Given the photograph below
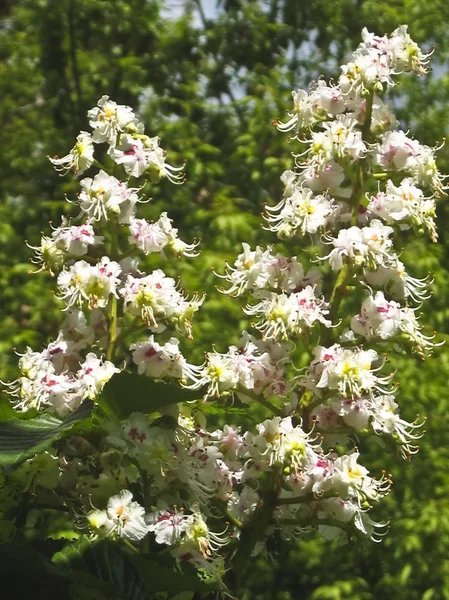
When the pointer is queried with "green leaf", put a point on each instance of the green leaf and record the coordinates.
(160, 578)
(106, 562)
(31, 575)
(21, 439)
(72, 555)
(126, 393)
(25, 569)
(132, 576)
(185, 595)
(6, 411)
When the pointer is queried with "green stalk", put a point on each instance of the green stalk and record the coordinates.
(112, 304)
(263, 401)
(134, 326)
(254, 531)
(98, 164)
(112, 329)
(233, 520)
(315, 523)
(306, 498)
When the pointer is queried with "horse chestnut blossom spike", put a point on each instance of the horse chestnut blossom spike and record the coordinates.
(312, 367)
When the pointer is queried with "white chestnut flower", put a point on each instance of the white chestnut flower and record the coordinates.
(80, 157)
(282, 315)
(398, 152)
(140, 153)
(126, 518)
(168, 526)
(302, 212)
(92, 283)
(384, 319)
(94, 373)
(407, 55)
(368, 246)
(166, 360)
(105, 196)
(108, 119)
(350, 479)
(159, 237)
(157, 300)
(351, 372)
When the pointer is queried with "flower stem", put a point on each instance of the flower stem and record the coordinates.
(112, 329)
(98, 164)
(306, 498)
(255, 530)
(233, 520)
(263, 401)
(112, 305)
(130, 546)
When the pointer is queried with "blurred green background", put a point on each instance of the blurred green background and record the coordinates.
(208, 78)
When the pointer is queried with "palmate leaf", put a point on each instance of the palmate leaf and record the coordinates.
(126, 393)
(105, 563)
(21, 439)
(6, 410)
(32, 575)
(132, 576)
(160, 577)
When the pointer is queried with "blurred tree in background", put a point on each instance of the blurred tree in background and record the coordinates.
(208, 79)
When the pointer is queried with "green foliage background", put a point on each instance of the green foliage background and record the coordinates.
(209, 79)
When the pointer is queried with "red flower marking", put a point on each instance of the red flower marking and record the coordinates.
(150, 352)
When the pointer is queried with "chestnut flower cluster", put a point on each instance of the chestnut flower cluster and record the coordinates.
(166, 480)
(97, 288)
